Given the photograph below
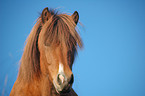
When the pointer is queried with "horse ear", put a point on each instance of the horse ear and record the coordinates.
(45, 15)
(75, 16)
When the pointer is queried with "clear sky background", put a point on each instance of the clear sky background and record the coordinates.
(112, 62)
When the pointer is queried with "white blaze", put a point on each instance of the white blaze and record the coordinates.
(61, 69)
(61, 72)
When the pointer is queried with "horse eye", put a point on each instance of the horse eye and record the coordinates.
(69, 57)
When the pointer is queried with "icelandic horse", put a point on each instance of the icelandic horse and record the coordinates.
(46, 63)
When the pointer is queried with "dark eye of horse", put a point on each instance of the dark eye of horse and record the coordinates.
(69, 57)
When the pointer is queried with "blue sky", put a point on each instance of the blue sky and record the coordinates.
(112, 62)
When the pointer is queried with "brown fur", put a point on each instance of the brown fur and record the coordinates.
(52, 39)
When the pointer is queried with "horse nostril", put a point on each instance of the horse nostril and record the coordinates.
(60, 79)
(71, 79)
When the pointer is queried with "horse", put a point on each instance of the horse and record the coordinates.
(49, 53)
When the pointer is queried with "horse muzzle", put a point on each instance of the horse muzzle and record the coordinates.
(63, 84)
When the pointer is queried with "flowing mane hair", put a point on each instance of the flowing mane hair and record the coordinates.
(58, 29)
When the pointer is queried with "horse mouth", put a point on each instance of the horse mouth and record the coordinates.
(62, 89)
